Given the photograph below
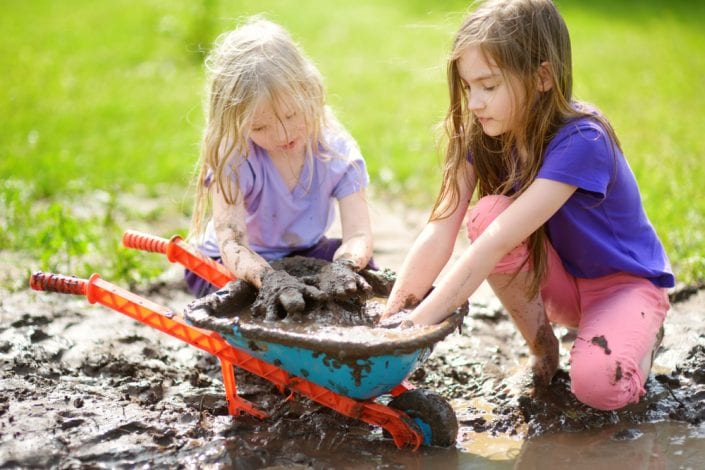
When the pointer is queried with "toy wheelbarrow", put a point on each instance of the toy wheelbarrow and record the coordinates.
(346, 369)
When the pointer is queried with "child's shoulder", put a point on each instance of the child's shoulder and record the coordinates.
(583, 135)
(235, 160)
(337, 142)
(589, 127)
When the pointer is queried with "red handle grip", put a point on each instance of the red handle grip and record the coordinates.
(144, 241)
(179, 251)
(58, 283)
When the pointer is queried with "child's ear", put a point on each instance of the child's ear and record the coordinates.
(544, 77)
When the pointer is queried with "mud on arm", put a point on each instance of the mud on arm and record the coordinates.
(428, 255)
(431, 250)
(230, 228)
(356, 249)
(523, 216)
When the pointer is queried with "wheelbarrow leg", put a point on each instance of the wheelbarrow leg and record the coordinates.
(236, 404)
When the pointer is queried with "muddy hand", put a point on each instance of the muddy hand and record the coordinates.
(397, 320)
(225, 302)
(283, 295)
(381, 282)
(338, 280)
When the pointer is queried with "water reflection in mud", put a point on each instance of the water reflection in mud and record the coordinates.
(661, 445)
(645, 446)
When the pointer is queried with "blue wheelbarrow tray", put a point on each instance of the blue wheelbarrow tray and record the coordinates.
(360, 362)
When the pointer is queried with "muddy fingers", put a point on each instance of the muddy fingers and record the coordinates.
(338, 280)
(292, 300)
(282, 295)
(226, 302)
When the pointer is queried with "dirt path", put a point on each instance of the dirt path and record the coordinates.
(83, 385)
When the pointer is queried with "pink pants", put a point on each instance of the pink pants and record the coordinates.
(617, 317)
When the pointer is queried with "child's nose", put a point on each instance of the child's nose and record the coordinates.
(475, 102)
(282, 134)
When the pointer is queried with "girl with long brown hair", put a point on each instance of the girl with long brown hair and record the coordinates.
(559, 230)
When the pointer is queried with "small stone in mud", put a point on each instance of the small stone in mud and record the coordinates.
(459, 376)
(419, 374)
(38, 335)
(478, 424)
(72, 423)
(199, 380)
(300, 458)
(668, 380)
(165, 438)
(694, 364)
(627, 435)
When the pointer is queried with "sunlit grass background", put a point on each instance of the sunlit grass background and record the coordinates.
(100, 105)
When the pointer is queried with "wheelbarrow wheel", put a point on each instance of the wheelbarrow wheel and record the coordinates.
(432, 413)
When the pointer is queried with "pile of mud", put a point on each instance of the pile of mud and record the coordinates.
(344, 328)
(85, 386)
(239, 299)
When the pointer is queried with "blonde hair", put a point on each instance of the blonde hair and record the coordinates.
(520, 36)
(256, 61)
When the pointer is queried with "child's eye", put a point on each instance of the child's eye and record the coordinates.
(290, 116)
(490, 88)
(258, 129)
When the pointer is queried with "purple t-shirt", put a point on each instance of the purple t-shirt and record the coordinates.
(602, 228)
(280, 221)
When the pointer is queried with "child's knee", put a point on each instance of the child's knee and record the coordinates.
(480, 217)
(197, 285)
(604, 382)
(484, 212)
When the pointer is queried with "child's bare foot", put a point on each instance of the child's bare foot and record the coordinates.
(537, 377)
(648, 361)
(519, 384)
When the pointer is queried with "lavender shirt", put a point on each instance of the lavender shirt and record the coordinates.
(280, 221)
(602, 228)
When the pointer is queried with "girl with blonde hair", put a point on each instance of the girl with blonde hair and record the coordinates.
(559, 230)
(274, 160)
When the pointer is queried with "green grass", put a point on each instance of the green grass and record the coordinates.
(103, 99)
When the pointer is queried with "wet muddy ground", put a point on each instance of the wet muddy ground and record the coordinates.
(84, 386)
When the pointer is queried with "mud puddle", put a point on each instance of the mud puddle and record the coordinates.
(82, 385)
